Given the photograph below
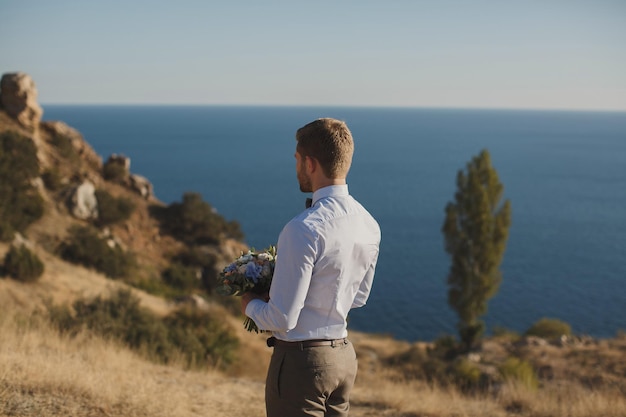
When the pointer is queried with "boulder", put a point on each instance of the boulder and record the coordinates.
(141, 185)
(83, 202)
(18, 98)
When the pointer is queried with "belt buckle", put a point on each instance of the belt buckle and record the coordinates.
(338, 342)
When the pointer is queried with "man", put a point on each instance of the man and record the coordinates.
(325, 266)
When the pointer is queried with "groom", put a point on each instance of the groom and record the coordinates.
(325, 266)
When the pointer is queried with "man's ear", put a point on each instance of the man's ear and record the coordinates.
(311, 164)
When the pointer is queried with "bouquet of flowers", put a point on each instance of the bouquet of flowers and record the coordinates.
(252, 272)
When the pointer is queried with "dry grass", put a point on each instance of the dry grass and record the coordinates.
(586, 380)
(63, 282)
(569, 399)
(416, 398)
(45, 374)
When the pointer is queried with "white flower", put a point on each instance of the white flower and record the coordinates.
(264, 256)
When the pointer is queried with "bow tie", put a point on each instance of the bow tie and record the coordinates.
(309, 202)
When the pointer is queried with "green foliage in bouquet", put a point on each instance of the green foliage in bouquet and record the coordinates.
(251, 272)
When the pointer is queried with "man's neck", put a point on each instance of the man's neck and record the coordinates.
(326, 182)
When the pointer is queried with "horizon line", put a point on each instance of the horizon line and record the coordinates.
(343, 106)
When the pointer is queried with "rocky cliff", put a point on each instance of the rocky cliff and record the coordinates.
(18, 98)
(78, 190)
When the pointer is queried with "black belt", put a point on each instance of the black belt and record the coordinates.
(272, 341)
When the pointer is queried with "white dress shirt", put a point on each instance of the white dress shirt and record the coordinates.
(326, 257)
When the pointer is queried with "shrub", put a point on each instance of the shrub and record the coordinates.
(20, 203)
(61, 317)
(19, 207)
(410, 362)
(181, 277)
(445, 347)
(18, 157)
(195, 221)
(112, 210)
(114, 172)
(119, 317)
(189, 333)
(521, 371)
(156, 287)
(549, 328)
(85, 247)
(64, 146)
(202, 260)
(202, 339)
(465, 374)
(52, 179)
(22, 264)
(504, 333)
(435, 370)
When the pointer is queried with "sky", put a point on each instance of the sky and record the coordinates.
(559, 54)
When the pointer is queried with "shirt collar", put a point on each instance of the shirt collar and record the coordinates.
(331, 191)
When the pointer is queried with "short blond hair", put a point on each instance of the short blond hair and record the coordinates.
(330, 142)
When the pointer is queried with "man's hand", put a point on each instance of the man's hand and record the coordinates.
(249, 296)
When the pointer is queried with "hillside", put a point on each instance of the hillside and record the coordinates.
(54, 362)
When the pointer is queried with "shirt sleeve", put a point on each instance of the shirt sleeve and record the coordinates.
(366, 285)
(296, 255)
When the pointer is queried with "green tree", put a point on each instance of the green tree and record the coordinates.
(476, 230)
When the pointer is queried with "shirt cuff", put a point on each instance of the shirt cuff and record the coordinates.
(253, 306)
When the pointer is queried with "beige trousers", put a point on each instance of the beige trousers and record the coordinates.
(314, 381)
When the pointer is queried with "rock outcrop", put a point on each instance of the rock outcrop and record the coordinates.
(82, 148)
(83, 202)
(141, 185)
(117, 168)
(18, 98)
(121, 161)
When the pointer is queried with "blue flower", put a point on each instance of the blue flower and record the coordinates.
(253, 271)
(231, 268)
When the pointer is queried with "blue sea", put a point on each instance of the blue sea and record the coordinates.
(564, 173)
